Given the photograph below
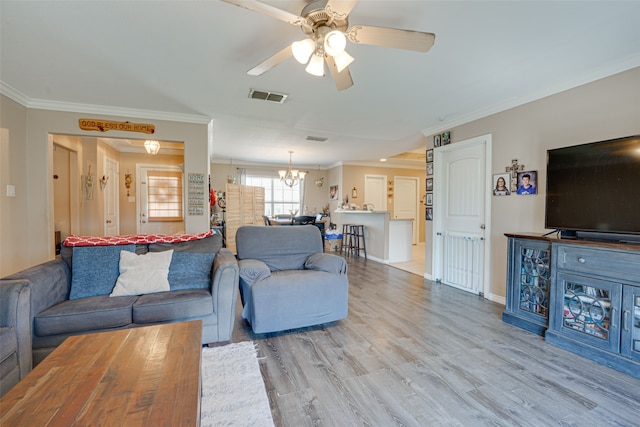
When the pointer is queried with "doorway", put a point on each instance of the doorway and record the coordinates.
(375, 191)
(405, 202)
(461, 211)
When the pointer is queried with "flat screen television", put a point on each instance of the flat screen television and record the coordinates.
(593, 190)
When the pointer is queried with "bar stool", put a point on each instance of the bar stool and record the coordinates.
(345, 244)
(357, 237)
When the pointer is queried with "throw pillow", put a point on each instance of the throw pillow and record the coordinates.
(143, 274)
(95, 269)
(190, 270)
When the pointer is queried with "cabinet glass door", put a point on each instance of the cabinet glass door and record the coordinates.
(631, 323)
(590, 307)
(534, 281)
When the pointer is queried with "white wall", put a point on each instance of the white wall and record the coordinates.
(605, 109)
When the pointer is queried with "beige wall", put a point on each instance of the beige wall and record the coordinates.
(13, 171)
(605, 109)
(29, 221)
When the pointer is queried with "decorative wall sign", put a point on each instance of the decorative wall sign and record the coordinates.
(513, 170)
(196, 194)
(107, 125)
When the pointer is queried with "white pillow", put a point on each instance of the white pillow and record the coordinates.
(142, 274)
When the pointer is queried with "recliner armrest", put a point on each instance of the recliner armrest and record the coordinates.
(326, 262)
(252, 270)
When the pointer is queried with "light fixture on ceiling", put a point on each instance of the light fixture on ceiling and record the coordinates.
(311, 52)
(292, 176)
(152, 147)
(316, 65)
(303, 49)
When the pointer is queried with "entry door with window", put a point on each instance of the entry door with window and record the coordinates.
(160, 201)
(459, 214)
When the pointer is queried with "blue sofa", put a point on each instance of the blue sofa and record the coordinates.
(286, 281)
(15, 333)
(70, 295)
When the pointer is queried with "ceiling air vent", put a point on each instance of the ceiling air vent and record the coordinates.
(268, 96)
(316, 138)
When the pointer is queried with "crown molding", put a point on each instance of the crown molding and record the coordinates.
(71, 107)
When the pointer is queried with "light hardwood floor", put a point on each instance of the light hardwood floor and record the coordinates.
(416, 353)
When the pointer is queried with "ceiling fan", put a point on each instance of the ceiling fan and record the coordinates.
(326, 25)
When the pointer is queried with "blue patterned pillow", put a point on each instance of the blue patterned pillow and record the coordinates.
(95, 269)
(190, 270)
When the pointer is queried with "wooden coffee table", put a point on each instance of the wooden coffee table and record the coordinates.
(147, 376)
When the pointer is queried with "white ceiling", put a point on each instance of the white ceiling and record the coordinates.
(187, 60)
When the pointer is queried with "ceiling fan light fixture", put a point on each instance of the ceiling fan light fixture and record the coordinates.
(335, 43)
(303, 49)
(316, 65)
(343, 60)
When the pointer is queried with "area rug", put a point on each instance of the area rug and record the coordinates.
(233, 392)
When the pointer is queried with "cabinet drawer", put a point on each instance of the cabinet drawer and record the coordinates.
(613, 264)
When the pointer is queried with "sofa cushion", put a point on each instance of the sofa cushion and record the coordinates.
(95, 269)
(281, 248)
(143, 274)
(190, 270)
(99, 312)
(175, 305)
(8, 342)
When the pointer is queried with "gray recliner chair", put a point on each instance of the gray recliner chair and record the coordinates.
(15, 333)
(286, 281)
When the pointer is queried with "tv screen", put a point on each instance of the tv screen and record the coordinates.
(595, 187)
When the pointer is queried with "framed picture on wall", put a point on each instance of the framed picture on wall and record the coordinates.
(429, 199)
(446, 138)
(333, 192)
(430, 155)
(429, 184)
(428, 213)
(527, 183)
(430, 169)
(501, 184)
(436, 141)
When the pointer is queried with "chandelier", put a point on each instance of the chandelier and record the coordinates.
(292, 176)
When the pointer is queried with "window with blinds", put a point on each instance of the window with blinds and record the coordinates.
(164, 197)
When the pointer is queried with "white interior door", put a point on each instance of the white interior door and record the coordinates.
(375, 191)
(461, 206)
(405, 205)
(111, 193)
(144, 225)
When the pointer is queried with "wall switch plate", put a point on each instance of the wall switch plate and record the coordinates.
(11, 191)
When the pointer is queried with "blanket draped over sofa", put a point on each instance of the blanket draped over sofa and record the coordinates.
(71, 295)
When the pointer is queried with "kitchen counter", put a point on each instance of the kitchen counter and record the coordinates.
(387, 239)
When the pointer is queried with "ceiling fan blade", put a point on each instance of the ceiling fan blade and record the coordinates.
(341, 79)
(391, 37)
(269, 10)
(339, 9)
(271, 62)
